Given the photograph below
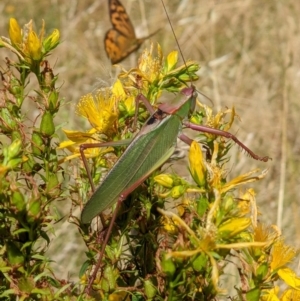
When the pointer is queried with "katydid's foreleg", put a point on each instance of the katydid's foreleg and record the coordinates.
(146, 103)
(206, 129)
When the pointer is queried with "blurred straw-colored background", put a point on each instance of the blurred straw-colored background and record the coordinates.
(249, 51)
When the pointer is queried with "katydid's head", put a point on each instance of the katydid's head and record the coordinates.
(191, 93)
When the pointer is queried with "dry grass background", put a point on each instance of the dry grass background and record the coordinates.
(249, 51)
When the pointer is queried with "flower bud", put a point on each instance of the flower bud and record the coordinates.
(52, 40)
(177, 191)
(164, 180)
(233, 227)
(34, 46)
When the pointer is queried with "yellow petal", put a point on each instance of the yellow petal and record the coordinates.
(233, 227)
(270, 295)
(77, 136)
(52, 40)
(119, 296)
(243, 179)
(15, 33)
(118, 89)
(290, 294)
(197, 167)
(289, 277)
(34, 46)
(171, 61)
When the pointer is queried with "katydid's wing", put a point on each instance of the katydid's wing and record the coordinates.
(153, 146)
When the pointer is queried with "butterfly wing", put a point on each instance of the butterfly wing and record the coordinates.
(120, 19)
(118, 47)
(120, 40)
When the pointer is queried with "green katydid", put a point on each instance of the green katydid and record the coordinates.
(150, 149)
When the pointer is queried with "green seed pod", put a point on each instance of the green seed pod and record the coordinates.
(16, 135)
(37, 143)
(52, 184)
(168, 266)
(15, 87)
(14, 150)
(262, 271)
(200, 262)
(33, 211)
(47, 127)
(108, 281)
(30, 165)
(12, 164)
(17, 200)
(150, 289)
(53, 101)
(14, 255)
(9, 123)
(253, 295)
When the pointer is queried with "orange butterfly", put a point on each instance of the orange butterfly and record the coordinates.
(120, 40)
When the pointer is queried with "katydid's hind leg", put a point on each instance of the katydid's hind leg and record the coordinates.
(107, 236)
(122, 197)
(206, 129)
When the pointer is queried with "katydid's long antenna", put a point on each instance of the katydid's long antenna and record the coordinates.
(177, 42)
(172, 28)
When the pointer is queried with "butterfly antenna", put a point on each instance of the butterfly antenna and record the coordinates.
(172, 28)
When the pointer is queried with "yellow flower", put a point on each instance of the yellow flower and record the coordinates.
(150, 66)
(263, 233)
(15, 33)
(281, 255)
(197, 166)
(76, 139)
(27, 44)
(100, 110)
(169, 225)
